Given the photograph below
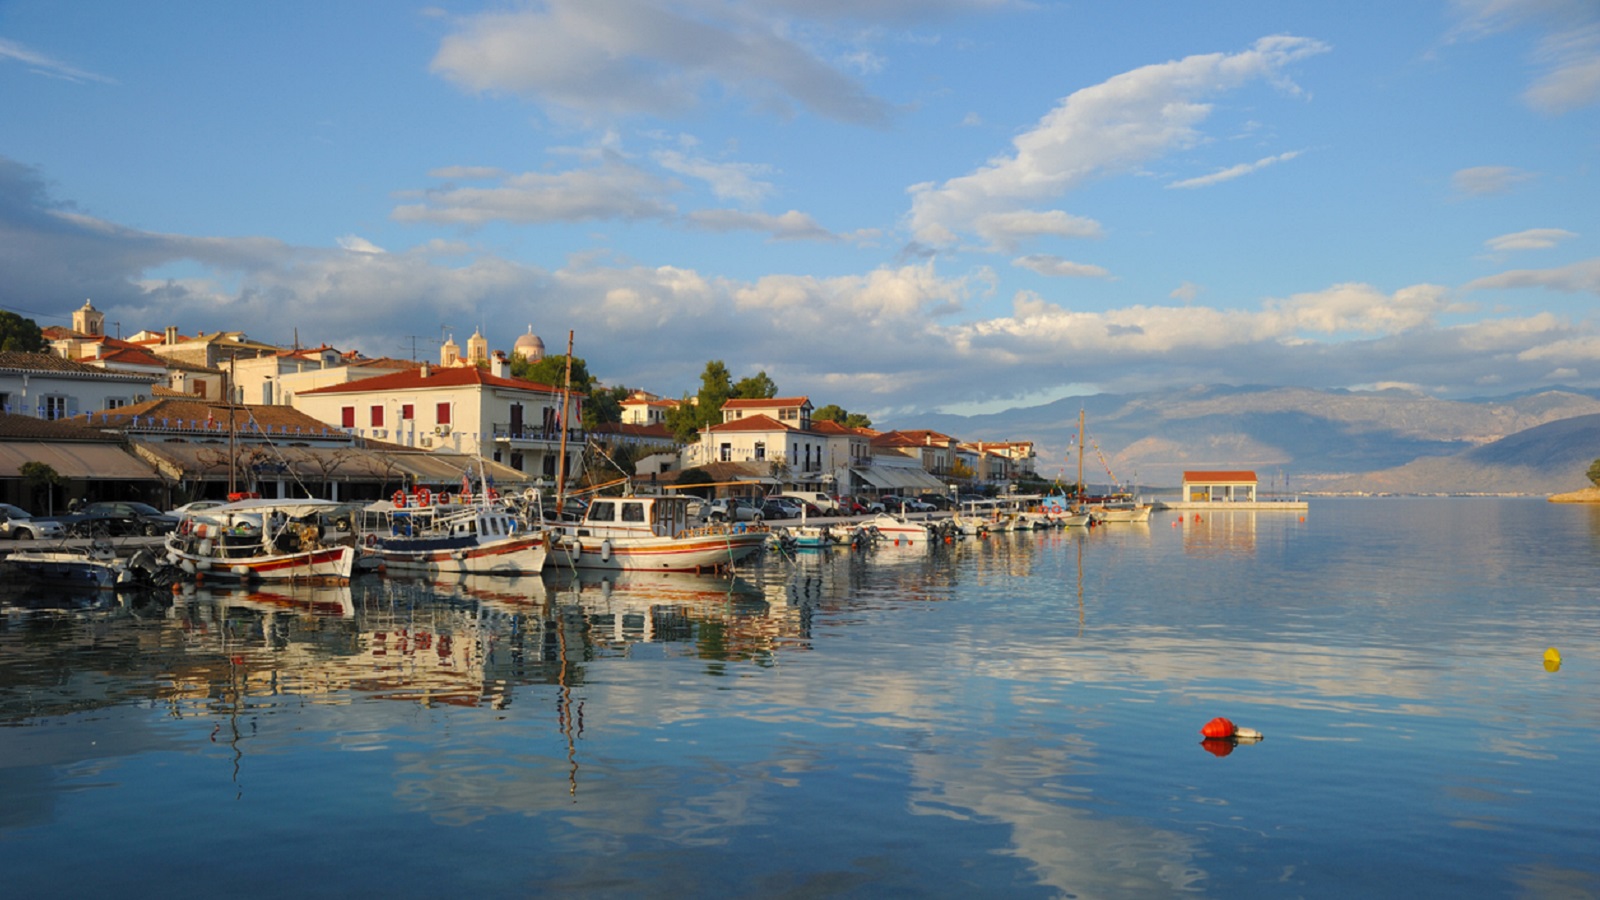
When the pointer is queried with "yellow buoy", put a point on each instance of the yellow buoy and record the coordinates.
(1552, 659)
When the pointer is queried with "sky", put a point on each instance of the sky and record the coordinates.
(895, 206)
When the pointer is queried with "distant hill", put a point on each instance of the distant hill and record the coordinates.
(1310, 440)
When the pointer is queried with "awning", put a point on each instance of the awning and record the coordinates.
(100, 462)
(184, 460)
(900, 478)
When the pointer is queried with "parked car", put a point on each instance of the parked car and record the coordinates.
(778, 508)
(938, 501)
(819, 504)
(196, 506)
(917, 504)
(117, 517)
(18, 524)
(849, 506)
(734, 509)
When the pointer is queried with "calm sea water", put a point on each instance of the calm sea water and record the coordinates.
(1014, 716)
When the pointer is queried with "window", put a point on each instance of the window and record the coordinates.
(55, 407)
(602, 511)
(407, 412)
(726, 454)
(347, 417)
(787, 415)
(516, 460)
(116, 402)
(377, 417)
(761, 450)
(633, 512)
(441, 414)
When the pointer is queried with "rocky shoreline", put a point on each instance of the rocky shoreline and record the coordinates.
(1587, 495)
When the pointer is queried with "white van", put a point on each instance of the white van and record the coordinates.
(815, 498)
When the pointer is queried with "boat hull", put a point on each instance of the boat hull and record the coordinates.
(620, 553)
(332, 562)
(517, 555)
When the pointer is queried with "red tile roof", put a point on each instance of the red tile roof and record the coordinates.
(1214, 476)
(445, 377)
(760, 403)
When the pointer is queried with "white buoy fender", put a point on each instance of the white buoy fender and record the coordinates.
(605, 551)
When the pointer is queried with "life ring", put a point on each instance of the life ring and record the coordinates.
(399, 499)
(372, 540)
(494, 494)
(605, 551)
(185, 526)
(466, 497)
(424, 497)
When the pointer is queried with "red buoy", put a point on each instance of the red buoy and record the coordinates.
(1218, 728)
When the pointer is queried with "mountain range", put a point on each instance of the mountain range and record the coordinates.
(1311, 441)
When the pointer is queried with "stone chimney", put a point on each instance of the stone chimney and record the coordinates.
(172, 335)
(499, 366)
(424, 371)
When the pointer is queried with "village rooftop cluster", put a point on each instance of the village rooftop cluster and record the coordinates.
(167, 417)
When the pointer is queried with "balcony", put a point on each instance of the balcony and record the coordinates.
(504, 432)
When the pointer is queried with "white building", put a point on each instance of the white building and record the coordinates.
(45, 386)
(460, 408)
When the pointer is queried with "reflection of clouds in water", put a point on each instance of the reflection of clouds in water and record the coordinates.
(1075, 851)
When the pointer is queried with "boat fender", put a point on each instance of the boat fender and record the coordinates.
(1247, 735)
(241, 571)
(205, 547)
(188, 567)
(739, 528)
(605, 551)
(576, 553)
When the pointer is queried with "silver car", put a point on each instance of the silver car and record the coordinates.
(18, 524)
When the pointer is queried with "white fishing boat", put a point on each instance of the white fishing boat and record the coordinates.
(269, 540)
(414, 533)
(899, 529)
(1119, 511)
(93, 566)
(649, 532)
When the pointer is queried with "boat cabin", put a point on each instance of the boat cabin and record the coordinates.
(658, 516)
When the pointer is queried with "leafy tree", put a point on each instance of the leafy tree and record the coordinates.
(756, 387)
(41, 476)
(696, 476)
(552, 370)
(1594, 473)
(835, 413)
(18, 333)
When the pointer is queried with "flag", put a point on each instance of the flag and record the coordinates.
(466, 481)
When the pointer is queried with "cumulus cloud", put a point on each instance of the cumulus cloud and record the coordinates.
(357, 244)
(1481, 181)
(1532, 239)
(1233, 172)
(1105, 129)
(1056, 267)
(611, 57)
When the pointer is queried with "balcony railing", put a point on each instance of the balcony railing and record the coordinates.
(504, 431)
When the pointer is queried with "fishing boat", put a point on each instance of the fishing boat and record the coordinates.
(270, 540)
(93, 566)
(419, 532)
(649, 532)
(899, 529)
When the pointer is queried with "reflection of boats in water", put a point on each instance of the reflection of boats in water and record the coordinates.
(627, 607)
(331, 600)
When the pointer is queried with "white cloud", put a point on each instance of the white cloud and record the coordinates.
(1109, 128)
(790, 226)
(1056, 267)
(1485, 180)
(1005, 230)
(1532, 239)
(1567, 55)
(357, 244)
(1233, 172)
(1185, 292)
(728, 181)
(1578, 278)
(628, 57)
(44, 65)
(614, 189)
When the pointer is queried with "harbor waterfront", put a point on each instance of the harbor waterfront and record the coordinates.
(1011, 715)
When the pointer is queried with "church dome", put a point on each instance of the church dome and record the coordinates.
(529, 347)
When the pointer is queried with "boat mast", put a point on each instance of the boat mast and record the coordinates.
(561, 463)
(1080, 455)
(233, 452)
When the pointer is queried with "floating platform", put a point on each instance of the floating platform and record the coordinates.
(1286, 505)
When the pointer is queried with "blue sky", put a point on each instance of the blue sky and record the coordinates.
(892, 205)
